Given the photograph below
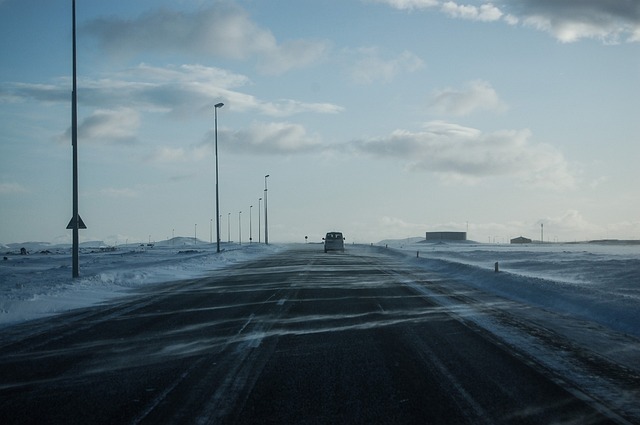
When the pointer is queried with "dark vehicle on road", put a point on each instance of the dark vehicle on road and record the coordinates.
(333, 241)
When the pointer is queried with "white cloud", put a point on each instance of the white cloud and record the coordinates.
(485, 13)
(477, 95)
(511, 19)
(179, 91)
(107, 126)
(288, 107)
(567, 20)
(185, 73)
(570, 221)
(409, 4)
(259, 138)
(276, 138)
(573, 20)
(463, 154)
(222, 30)
(371, 67)
(16, 92)
(571, 30)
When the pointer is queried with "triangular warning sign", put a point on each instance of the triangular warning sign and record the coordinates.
(81, 224)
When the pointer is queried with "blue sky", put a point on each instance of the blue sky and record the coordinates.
(379, 118)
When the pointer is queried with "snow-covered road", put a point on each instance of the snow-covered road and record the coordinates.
(301, 335)
(572, 307)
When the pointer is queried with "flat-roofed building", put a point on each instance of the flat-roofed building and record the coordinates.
(446, 236)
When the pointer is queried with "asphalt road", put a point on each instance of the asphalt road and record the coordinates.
(297, 337)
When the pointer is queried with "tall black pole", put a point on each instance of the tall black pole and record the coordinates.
(74, 142)
(259, 213)
(215, 114)
(266, 223)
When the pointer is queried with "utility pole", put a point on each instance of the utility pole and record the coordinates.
(259, 213)
(215, 114)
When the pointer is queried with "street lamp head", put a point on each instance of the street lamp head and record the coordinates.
(266, 176)
(218, 105)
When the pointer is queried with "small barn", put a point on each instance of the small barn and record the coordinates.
(520, 239)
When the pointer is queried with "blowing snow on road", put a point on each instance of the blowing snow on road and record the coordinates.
(293, 335)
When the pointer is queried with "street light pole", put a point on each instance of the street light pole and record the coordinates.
(250, 229)
(259, 213)
(266, 225)
(215, 114)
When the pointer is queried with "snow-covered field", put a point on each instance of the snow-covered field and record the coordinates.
(40, 283)
(599, 282)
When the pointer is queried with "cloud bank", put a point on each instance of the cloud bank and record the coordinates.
(572, 20)
(273, 138)
(610, 21)
(179, 91)
(467, 155)
(222, 30)
(105, 126)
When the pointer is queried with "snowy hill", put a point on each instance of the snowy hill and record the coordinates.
(401, 242)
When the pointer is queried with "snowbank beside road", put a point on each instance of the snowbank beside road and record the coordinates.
(40, 284)
(595, 282)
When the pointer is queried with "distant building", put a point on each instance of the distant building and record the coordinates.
(446, 236)
(520, 239)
